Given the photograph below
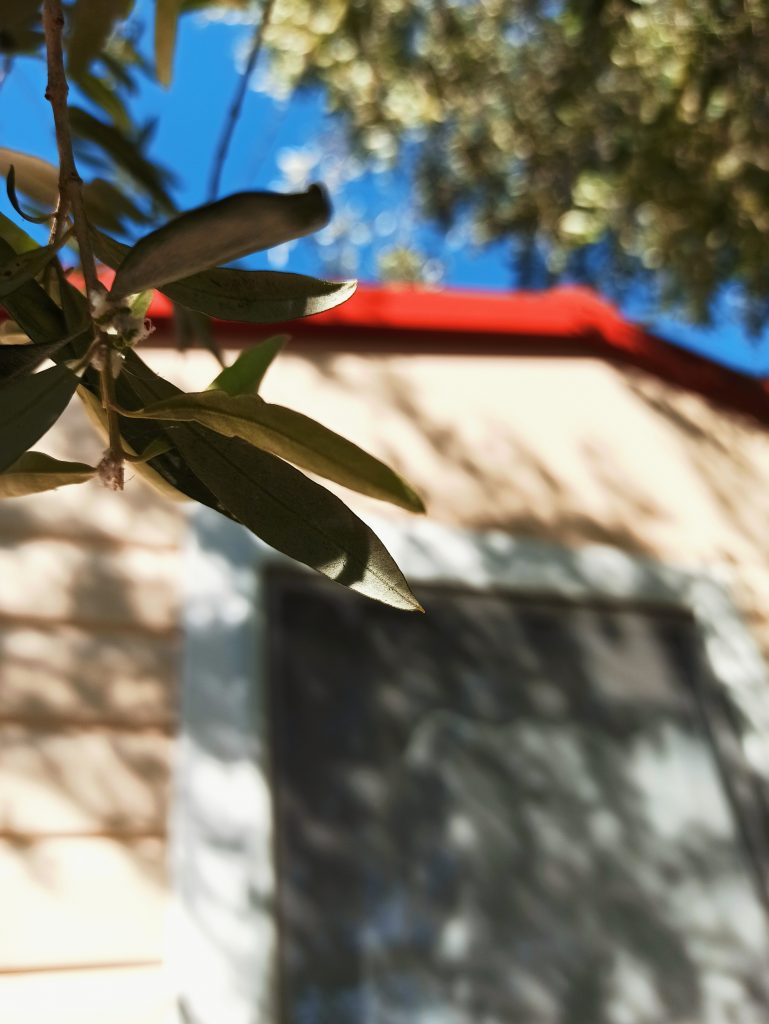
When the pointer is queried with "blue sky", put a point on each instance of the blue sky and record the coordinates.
(283, 144)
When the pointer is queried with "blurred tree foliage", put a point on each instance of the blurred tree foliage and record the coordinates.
(604, 138)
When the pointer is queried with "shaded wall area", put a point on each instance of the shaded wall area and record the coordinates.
(574, 452)
(507, 809)
(88, 663)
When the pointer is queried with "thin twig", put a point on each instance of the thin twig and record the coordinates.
(71, 199)
(237, 101)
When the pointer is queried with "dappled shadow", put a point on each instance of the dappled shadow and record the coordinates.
(88, 663)
(504, 810)
(477, 467)
(728, 454)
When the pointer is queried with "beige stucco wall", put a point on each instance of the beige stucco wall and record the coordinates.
(572, 451)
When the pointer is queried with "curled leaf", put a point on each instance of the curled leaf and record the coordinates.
(36, 178)
(217, 233)
(10, 188)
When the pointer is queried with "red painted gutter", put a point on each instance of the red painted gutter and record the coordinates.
(568, 321)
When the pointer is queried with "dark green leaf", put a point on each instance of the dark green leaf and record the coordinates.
(74, 306)
(109, 207)
(219, 232)
(92, 22)
(104, 95)
(258, 296)
(32, 309)
(166, 18)
(124, 151)
(21, 360)
(29, 407)
(194, 329)
(293, 437)
(246, 374)
(295, 515)
(41, 319)
(138, 385)
(35, 472)
(22, 268)
(250, 296)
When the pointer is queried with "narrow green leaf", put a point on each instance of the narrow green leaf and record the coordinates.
(194, 329)
(74, 306)
(104, 95)
(32, 308)
(29, 407)
(249, 296)
(258, 296)
(291, 436)
(16, 237)
(22, 268)
(35, 472)
(160, 446)
(36, 178)
(43, 322)
(20, 360)
(138, 385)
(246, 374)
(126, 153)
(92, 22)
(166, 18)
(295, 515)
(109, 206)
(219, 232)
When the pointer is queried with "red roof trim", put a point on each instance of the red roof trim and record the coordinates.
(567, 321)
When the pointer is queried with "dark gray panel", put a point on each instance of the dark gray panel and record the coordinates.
(506, 810)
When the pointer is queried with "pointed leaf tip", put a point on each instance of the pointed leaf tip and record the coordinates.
(35, 472)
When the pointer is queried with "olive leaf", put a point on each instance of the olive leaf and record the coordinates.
(35, 472)
(246, 374)
(290, 435)
(16, 237)
(166, 18)
(219, 232)
(29, 407)
(36, 178)
(249, 296)
(125, 151)
(21, 360)
(92, 22)
(295, 515)
(22, 268)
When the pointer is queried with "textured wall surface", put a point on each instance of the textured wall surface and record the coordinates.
(570, 451)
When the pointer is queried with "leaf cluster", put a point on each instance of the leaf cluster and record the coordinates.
(225, 447)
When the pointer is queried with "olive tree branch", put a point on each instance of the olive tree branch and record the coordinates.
(71, 199)
(237, 100)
